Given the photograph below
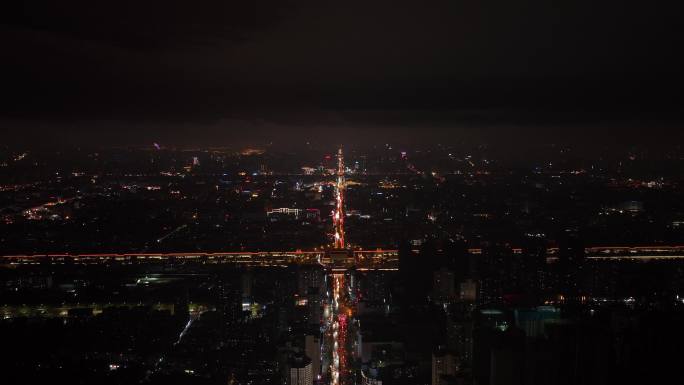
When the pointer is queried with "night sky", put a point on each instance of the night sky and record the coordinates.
(227, 71)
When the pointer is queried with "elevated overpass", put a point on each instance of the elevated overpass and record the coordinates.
(330, 258)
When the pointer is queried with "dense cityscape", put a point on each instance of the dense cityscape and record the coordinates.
(306, 192)
(383, 265)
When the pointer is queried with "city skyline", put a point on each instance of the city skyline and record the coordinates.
(344, 246)
(393, 192)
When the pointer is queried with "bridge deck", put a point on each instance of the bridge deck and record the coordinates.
(379, 258)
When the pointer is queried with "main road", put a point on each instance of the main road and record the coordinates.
(338, 213)
(342, 309)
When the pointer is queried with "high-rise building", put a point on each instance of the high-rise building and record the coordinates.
(533, 321)
(314, 305)
(301, 372)
(312, 348)
(468, 291)
(459, 333)
(370, 377)
(443, 364)
(443, 286)
(308, 277)
(229, 300)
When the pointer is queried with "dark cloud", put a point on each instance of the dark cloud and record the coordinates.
(145, 25)
(177, 61)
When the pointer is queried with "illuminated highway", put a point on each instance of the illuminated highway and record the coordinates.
(339, 214)
(341, 370)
